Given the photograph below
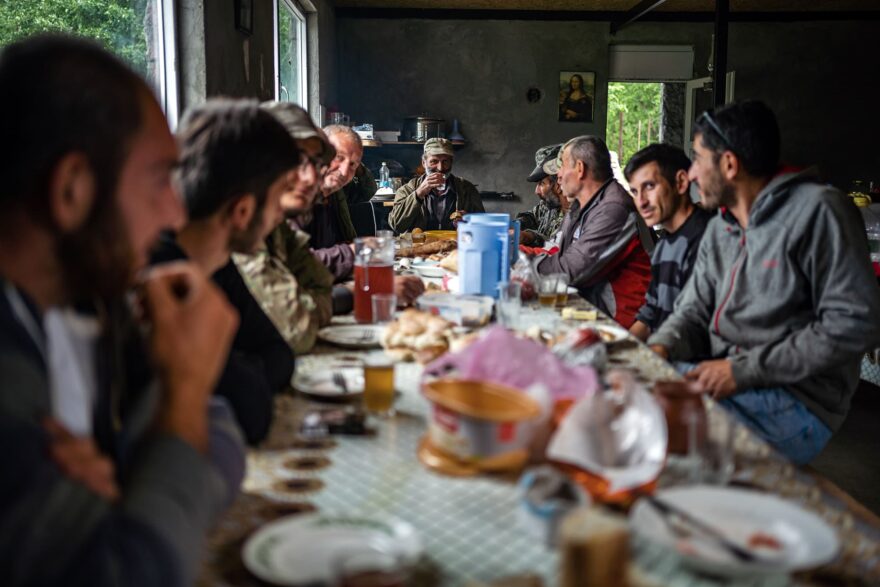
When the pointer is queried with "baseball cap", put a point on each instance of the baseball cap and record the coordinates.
(542, 156)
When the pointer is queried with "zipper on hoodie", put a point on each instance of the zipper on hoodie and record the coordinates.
(733, 272)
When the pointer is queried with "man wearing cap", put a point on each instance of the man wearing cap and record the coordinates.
(429, 201)
(292, 285)
(542, 222)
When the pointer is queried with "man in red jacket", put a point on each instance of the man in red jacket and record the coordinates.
(604, 243)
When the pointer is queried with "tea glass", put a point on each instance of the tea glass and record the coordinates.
(547, 290)
(379, 385)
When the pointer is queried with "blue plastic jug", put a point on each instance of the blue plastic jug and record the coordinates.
(513, 245)
(482, 256)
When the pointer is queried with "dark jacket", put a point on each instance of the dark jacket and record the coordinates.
(410, 211)
(55, 531)
(791, 300)
(260, 363)
(604, 251)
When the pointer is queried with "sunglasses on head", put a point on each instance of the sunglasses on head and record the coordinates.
(708, 119)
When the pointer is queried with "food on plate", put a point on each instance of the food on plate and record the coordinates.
(428, 249)
(573, 314)
(418, 235)
(417, 335)
(763, 540)
(450, 262)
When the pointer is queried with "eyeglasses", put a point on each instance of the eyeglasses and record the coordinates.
(708, 119)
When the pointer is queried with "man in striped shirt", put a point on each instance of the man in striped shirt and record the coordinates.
(658, 177)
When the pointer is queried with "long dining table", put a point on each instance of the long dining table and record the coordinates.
(469, 526)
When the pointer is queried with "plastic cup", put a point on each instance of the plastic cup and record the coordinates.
(384, 306)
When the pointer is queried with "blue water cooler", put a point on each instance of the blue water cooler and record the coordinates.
(483, 254)
(513, 246)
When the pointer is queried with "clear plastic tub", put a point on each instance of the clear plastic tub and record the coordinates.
(464, 310)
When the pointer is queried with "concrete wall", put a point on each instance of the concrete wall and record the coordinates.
(322, 55)
(816, 78)
(479, 70)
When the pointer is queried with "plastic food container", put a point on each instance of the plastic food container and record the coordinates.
(480, 422)
(464, 310)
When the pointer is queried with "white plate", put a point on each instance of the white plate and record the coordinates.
(610, 333)
(429, 271)
(301, 550)
(320, 383)
(806, 541)
(353, 336)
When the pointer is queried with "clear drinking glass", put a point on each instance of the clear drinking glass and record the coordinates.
(369, 566)
(384, 306)
(379, 385)
(547, 290)
(384, 234)
(562, 281)
(441, 189)
(509, 303)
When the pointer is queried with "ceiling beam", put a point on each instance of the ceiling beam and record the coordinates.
(635, 13)
(600, 16)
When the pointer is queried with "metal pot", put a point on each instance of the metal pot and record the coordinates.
(421, 128)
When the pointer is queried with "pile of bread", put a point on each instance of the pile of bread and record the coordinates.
(417, 335)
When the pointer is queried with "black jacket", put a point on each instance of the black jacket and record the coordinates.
(260, 363)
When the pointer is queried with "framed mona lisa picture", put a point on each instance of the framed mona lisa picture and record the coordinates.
(577, 90)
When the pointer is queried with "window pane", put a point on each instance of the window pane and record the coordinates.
(126, 27)
(289, 29)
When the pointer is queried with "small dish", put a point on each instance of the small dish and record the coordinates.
(353, 336)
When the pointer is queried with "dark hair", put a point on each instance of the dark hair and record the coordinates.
(669, 158)
(230, 148)
(61, 94)
(749, 129)
(594, 153)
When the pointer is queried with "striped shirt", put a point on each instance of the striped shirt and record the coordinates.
(671, 265)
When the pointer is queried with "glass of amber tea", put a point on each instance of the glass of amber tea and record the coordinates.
(379, 385)
(547, 290)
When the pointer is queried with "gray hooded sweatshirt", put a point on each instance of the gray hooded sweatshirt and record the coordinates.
(792, 300)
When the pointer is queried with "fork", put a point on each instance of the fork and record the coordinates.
(339, 381)
(673, 517)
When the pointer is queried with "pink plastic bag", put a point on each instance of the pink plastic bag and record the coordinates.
(501, 357)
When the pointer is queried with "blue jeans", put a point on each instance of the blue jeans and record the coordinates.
(779, 418)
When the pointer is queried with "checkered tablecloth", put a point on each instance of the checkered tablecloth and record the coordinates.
(469, 525)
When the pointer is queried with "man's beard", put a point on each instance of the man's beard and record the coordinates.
(718, 193)
(247, 240)
(97, 260)
(552, 201)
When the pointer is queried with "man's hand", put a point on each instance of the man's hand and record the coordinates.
(81, 461)
(434, 180)
(407, 288)
(193, 325)
(660, 350)
(714, 378)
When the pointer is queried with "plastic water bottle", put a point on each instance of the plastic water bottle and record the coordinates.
(384, 176)
(872, 226)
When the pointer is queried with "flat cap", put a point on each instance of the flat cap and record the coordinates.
(438, 147)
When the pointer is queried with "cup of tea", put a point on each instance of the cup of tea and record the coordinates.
(370, 566)
(379, 385)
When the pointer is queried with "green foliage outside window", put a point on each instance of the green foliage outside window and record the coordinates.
(639, 102)
(119, 25)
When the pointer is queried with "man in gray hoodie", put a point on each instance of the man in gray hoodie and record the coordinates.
(782, 302)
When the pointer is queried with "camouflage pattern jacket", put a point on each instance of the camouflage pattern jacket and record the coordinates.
(291, 285)
(542, 222)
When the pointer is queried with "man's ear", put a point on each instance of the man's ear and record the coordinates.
(682, 183)
(729, 165)
(241, 211)
(71, 192)
(581, 169)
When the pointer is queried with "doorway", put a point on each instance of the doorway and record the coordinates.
(634, 117)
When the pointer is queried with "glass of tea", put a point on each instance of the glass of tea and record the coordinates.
(384, 306)
(370, 566)
(373, 273)
(562, 281)
(379, 385)
(547, 290)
